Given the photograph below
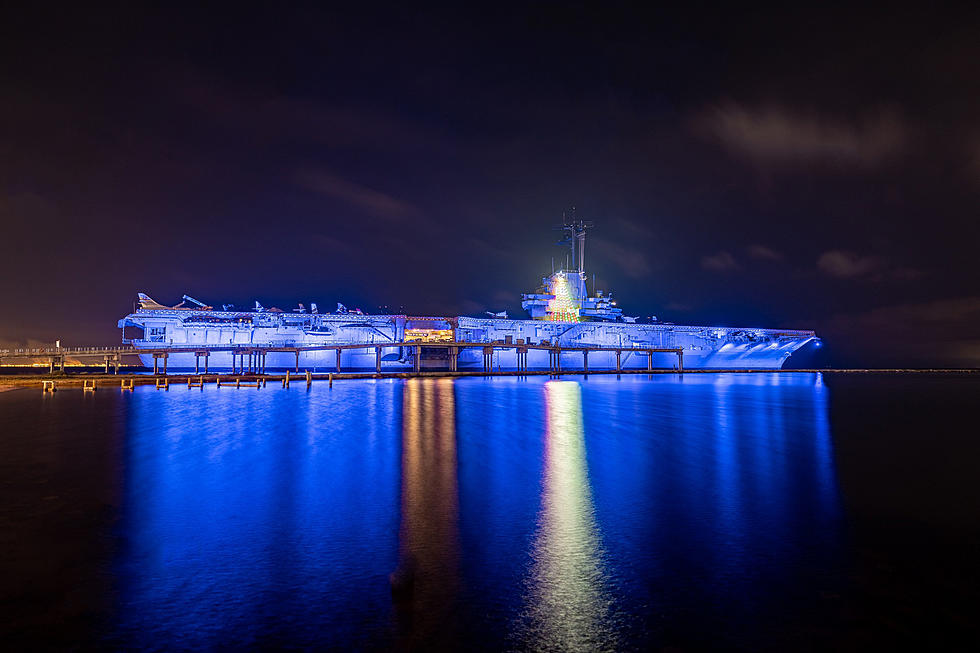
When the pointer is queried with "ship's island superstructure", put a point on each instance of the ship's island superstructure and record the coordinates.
(561, 310)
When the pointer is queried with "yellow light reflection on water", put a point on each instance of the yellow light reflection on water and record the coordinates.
(426, 581)
(568, 605)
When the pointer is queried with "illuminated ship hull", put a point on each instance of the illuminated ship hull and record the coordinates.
(184, 332)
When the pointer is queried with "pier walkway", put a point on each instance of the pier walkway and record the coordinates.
(252, 358)
(55, 357)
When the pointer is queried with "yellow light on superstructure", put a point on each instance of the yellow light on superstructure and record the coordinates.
(563, 308)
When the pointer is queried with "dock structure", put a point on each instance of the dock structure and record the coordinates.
(251, 359)
(57, 357)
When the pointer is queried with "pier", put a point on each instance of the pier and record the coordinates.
(250, 359)
(56, 357)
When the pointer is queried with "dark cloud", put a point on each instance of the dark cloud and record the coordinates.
(934, 333)
(775, 136)
(720, 262)
(630, 261)
(843, 264)
(846, 265)
(372, 202)
(763, 253)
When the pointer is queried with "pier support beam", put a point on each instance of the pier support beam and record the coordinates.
(156, 362)
(207, 355)
(377, 360)
(297, 360)
(338, 359)
(417, 355)
(619, 364)
(680, 361)
(649, 361)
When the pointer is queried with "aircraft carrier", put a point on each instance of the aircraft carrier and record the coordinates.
(561, 312)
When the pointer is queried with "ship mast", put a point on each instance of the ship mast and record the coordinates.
(575, 238)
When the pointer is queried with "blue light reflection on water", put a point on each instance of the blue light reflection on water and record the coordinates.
(595, 512)
(260, 515)
(716, 497)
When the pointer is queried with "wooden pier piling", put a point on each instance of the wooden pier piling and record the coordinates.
(197, 361)
(255, 383)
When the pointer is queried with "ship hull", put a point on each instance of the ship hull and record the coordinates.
(176, 332)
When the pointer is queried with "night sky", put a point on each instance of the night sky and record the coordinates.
(788, 168)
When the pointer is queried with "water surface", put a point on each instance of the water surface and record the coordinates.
(714, 510)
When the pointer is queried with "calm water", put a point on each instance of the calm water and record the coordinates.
(739, 511)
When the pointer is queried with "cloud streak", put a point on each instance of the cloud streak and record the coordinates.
(777, 136)
(369, 200)
(763, 253)
(843, 264)
(720, 262)
(631, 261)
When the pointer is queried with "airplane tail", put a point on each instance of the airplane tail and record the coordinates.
(147, 303)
